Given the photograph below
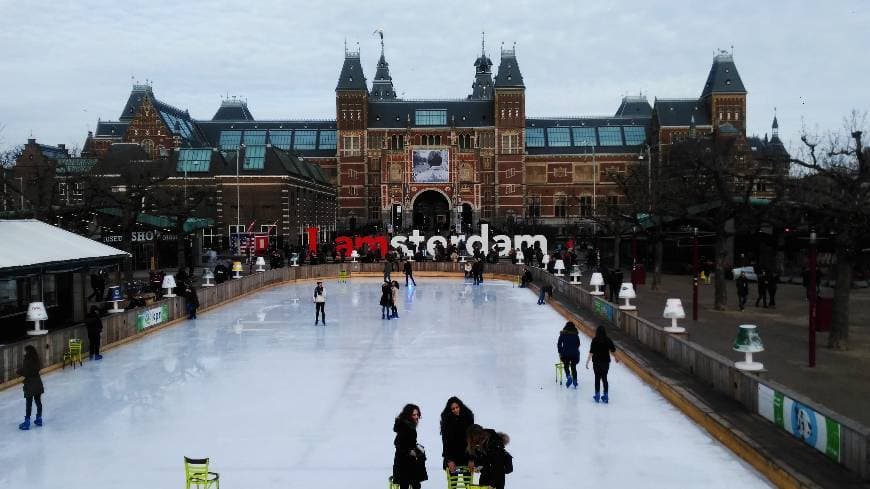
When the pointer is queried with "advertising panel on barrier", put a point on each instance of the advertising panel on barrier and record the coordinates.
(801, 421)
(431, 166)
(603, 309)
(152, 317)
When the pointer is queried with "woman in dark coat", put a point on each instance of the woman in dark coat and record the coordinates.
(386, 300)
(33, 388)
(455, 421)
(599, 352)
(568, 346)
(409, 463)
(486, 448)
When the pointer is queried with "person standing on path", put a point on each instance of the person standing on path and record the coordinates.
(456, 418)
(409, 462)
(191, 300)
(319, 303)
(742, 290)
(409, 273)
(763, 283)
(33, 388)
(568, 346)
(599, 352)
(95, 328)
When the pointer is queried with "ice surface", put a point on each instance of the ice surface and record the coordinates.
(279, 403)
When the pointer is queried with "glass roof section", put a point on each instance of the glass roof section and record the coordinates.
(194, 160)
(584, 136)
(327, 140)
(255, 137)
(535, 137)
(281, 138)
(230, 140)
(634, 135)
(305, 139)
(255, 157)
(558, 136)
(610, 136)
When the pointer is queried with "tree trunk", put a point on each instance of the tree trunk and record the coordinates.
(838, 339)
(617, 243)
(719, 284)
(658, 253)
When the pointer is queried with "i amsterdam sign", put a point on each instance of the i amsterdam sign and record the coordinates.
(502, 243)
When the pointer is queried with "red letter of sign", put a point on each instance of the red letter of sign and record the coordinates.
(312, 239)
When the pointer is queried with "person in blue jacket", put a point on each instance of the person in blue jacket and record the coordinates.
(568, 346)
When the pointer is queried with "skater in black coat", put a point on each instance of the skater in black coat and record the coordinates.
(455, 421)
(409, 463)
(568, 346)
(486, 448)
(33, 388)
(95, 328)
(599, 352)
(409, 273)
(386, 300)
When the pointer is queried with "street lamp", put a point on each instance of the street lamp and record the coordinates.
(695, 274)
(811, 295)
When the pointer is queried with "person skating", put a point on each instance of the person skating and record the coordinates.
(568, 346)
(394, 298)
(94, 325)
(409, 462)
(763, 284)
(409, 273)
(192, 301)
(33, 388)
(456, 418)
(526, 278)
(545, 290)
(386, 300)
(486, 447)
(742, 290)
(771, 289)
(599, 352)
(319, 303)
(388, 269)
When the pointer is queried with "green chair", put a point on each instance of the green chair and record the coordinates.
(342, 276)
(73, 353)
(462, 479)
(559, 369)
(391, 484)
(196, 474)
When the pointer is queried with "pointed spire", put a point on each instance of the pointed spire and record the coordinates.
(775, 126)
(481, 88)
(382, 85)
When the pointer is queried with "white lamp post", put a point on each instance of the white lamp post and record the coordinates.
(207, 277)
(168, 284)
(520, 257)
(748, 341)
(36, 313)
(673, 311)
(115, 297)
(294, 260)
(575, 274)
(559, 268)
(626, 291)
(545, 261)
(261, 264)
(597, 281)
(237, 269)
(354, 255)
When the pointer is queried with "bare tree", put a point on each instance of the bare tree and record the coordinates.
(182, 201)
(834, 193)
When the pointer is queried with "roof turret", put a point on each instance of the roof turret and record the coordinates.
(233, 109)
(509, 75)
(382, 86)
(351, 77)
(723, 77)
(481, 88)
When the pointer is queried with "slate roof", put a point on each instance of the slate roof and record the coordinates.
(107, 129)
(482, 87)
(634, 107)
(382, 86)
(351, 77)
(400, 113)
(53, 152)
(679, 112)
(772, 147)
(587, 122)
(134, 101)
(276, 162)
(509, 75)
(723, 77)
(233, 110)
(179, 123)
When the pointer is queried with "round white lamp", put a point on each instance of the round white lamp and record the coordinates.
(207, 277)
(748, 342)
(597, 281)
(559, 267)
(354, 255)
(115, 297)
(294, 260)
(575, 274)
(261, 264)
(520, 257)
(673, 311)
(237, 269)
(36, 313)
(168, 284)
(545, 261)
(626, 291)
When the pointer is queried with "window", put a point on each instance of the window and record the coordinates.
(209, 239)
(431, 117)
(281, 139)
(268, 229)
(230, 140)
(327, 140)
(255, 157)
(634, 135)
(510, 144)
(466, 141)
(305, 139)
(78, 191)
(585, 206)
(610, 136)
(584, 136)
(558, 137)
(237, 229)
(193, 160)
(397, 141)
(534, 207)
(255, 137)
(61, 190)
(560, 203)
(350, 146)
(535, 137)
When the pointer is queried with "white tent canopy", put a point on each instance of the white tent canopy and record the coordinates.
(30, 243)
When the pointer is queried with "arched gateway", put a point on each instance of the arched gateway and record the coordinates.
(431, 212)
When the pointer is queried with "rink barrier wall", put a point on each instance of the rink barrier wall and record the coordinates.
(710, 367)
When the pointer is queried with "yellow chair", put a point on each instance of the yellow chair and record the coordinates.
(196, 474)
(462, 479)
(391, 484)
(559, 369)
(517, 281)
(342, 276)
(73, 353)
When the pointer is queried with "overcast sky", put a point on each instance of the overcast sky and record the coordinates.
(67, 63)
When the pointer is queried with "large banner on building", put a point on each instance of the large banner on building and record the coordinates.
(801, 421)
(431, 166)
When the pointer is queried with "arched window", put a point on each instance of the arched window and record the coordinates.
(560, 204)
(148, 146)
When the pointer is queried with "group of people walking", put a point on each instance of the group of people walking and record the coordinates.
(767, 284)
(466, 447)
(600, 348)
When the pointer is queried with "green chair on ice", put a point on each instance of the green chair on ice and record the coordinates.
(196, 474)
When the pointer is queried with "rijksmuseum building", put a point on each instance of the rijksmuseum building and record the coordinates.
(436, 165)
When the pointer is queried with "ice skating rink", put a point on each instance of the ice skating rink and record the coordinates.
(279, 403)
